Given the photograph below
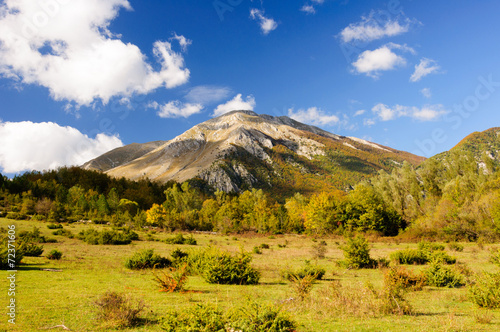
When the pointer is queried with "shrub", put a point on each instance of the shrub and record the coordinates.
(107, 237)
(201, 318)
(264, 246)
(255, 317)
(180, 239)
(400, 277)
(146, 259)
(357, 253)
(30, 249)
(495, 257)
(430, 247)
(486, 291)
(54, 226)
(453, 246)
(220, 267)
(118, 310)
(63, 232)
(308, 270)
(54, 254)
(302, 286)
(4, 254)
(179, 257)
(410, 257)
(172, 280)
(34, 237)
(319, 250)
(442, 257)
(257, 250)
(439, 275)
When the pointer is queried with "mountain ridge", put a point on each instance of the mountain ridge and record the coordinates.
(241, 149)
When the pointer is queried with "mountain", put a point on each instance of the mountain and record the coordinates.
(242, 150)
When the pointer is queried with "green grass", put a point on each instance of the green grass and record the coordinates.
(46, 299)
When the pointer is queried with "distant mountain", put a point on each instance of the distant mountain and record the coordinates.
(478, 143)
(242, 150)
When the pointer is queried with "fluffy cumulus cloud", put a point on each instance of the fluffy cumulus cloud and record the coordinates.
(373, 62)
(426, 113)
(266, 24)
(207, 94)
(426, 92)
(66, 46)
(26, 146)
(310, 8)
(176, 109)
(373, 27)
(313, 116)
(236, 104)
(424, 68)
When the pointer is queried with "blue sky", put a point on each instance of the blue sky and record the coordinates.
(80, 77)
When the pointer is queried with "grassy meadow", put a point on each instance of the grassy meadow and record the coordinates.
(46, 299)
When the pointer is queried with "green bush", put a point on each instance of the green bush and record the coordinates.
(180, 239)
(4, 254)
(220, 267)
(179, 257)
(54, 226)
(454, 246)
(257, 250)
(146, 259)
(54, 255)
(400, 277)
(264, 246)
(200, 318)
(430, 247)
(255, 317)
(30, 249)
(486, 291)
(106, 237)
(308, 270)
(442, 257)
(495, 257)
(409, 257)
(357, 254)
(63, 232)
(439, 275)
(34, 237)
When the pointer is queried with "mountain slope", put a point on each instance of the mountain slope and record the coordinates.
(241, 150)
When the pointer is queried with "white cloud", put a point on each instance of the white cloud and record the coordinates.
(360, 112)
(207, 94)
(236, 104)
(266, 24)
(66, 46)
(176, 109)
(381, 59)
(183, 41)
(369, 122)
(370, 28)
(26, 146)
(426, 92)
(313, 116)
(309, 9)
(426, 113)
(424, 68)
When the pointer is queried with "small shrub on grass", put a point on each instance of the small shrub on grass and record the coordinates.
(308, 270)
(172, 280)
(118, 311)
(255, 317)
(409, 257)
(4, 254)
(439, 275)
(264, 246)
(486, 291)
(223, 268)
(357, 254)
(54, 226)
(495, 257)
(302, 286)
(257, 250)
(393, 300)
(442, 257)
(146, 259)
(429, 246)
(179, 257)
(180, 239)
(30, 249)
(63, 232)
(200, 318)
(454, 246)
(54, 255)
(400, 277)
(319, 250)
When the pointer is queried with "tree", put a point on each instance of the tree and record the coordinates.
(157, 216)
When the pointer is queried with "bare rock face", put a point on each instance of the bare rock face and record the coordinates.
(211, 150)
